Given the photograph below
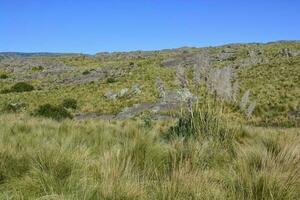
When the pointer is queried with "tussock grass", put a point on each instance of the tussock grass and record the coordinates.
(46, 159)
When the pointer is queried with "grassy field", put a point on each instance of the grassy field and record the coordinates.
(208, 150)
(275, 87)
(201, 157)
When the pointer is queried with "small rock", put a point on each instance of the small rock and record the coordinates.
(185, 95)
(123, 92)
(288, 53)
(136, 89)
(110, 95)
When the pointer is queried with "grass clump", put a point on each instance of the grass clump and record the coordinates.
(69, 103)
(203, 121)
(54, 112)
(13, 107)
(86, 72)
(19, 87)
(37, 68)
(45, 159)
(111, 80)
(13, 163)
(3, 76)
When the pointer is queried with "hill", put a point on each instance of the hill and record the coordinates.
(172, 124)
(108, 84)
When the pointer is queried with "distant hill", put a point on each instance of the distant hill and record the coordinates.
(21, 54)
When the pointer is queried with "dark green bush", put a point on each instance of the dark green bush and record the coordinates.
(21, 87)
(86, 72)
(37, 69)
(111, 80)
(70, 103)
(54, 112)
(5, 91)
(131, 64)
(3, 76)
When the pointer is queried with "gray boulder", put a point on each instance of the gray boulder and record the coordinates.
(110, 95)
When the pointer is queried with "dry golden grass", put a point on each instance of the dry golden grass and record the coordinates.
(45, 159)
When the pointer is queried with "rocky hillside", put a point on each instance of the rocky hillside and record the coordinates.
(256, 83)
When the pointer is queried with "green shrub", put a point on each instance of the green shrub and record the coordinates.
(111, 80)
(5, 91)
(21, 87)
(70, 103)
(148, 122)
(54, 112)
(37, 69)
(3, 76)
(86, 72)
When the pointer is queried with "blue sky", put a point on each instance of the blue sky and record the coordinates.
(91, 26)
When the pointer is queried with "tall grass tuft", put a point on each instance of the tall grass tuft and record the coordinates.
(205, 120)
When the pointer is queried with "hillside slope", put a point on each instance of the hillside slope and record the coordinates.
(128, 83)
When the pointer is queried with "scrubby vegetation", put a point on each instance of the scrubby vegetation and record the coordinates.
(19, 87)
(210, 123)
(126, 160)
(269, 71)
(69, 103)
(3, 76)
(13, 107)
(37, 68)
(51, 111)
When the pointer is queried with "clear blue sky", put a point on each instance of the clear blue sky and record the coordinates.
(90, 26)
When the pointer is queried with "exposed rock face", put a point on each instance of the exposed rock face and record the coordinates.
(130, 112)
(135, 90)
(21, 65)
(105, 56)
(171, 100)
(123, 92)
(255, 56)
(288, 53)
(136, 109)
(27, 69)
(94, 75)
(111, 96)
(171, 62)
(226, 54)
(178, 96)
(86, 116)
(182, 60)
